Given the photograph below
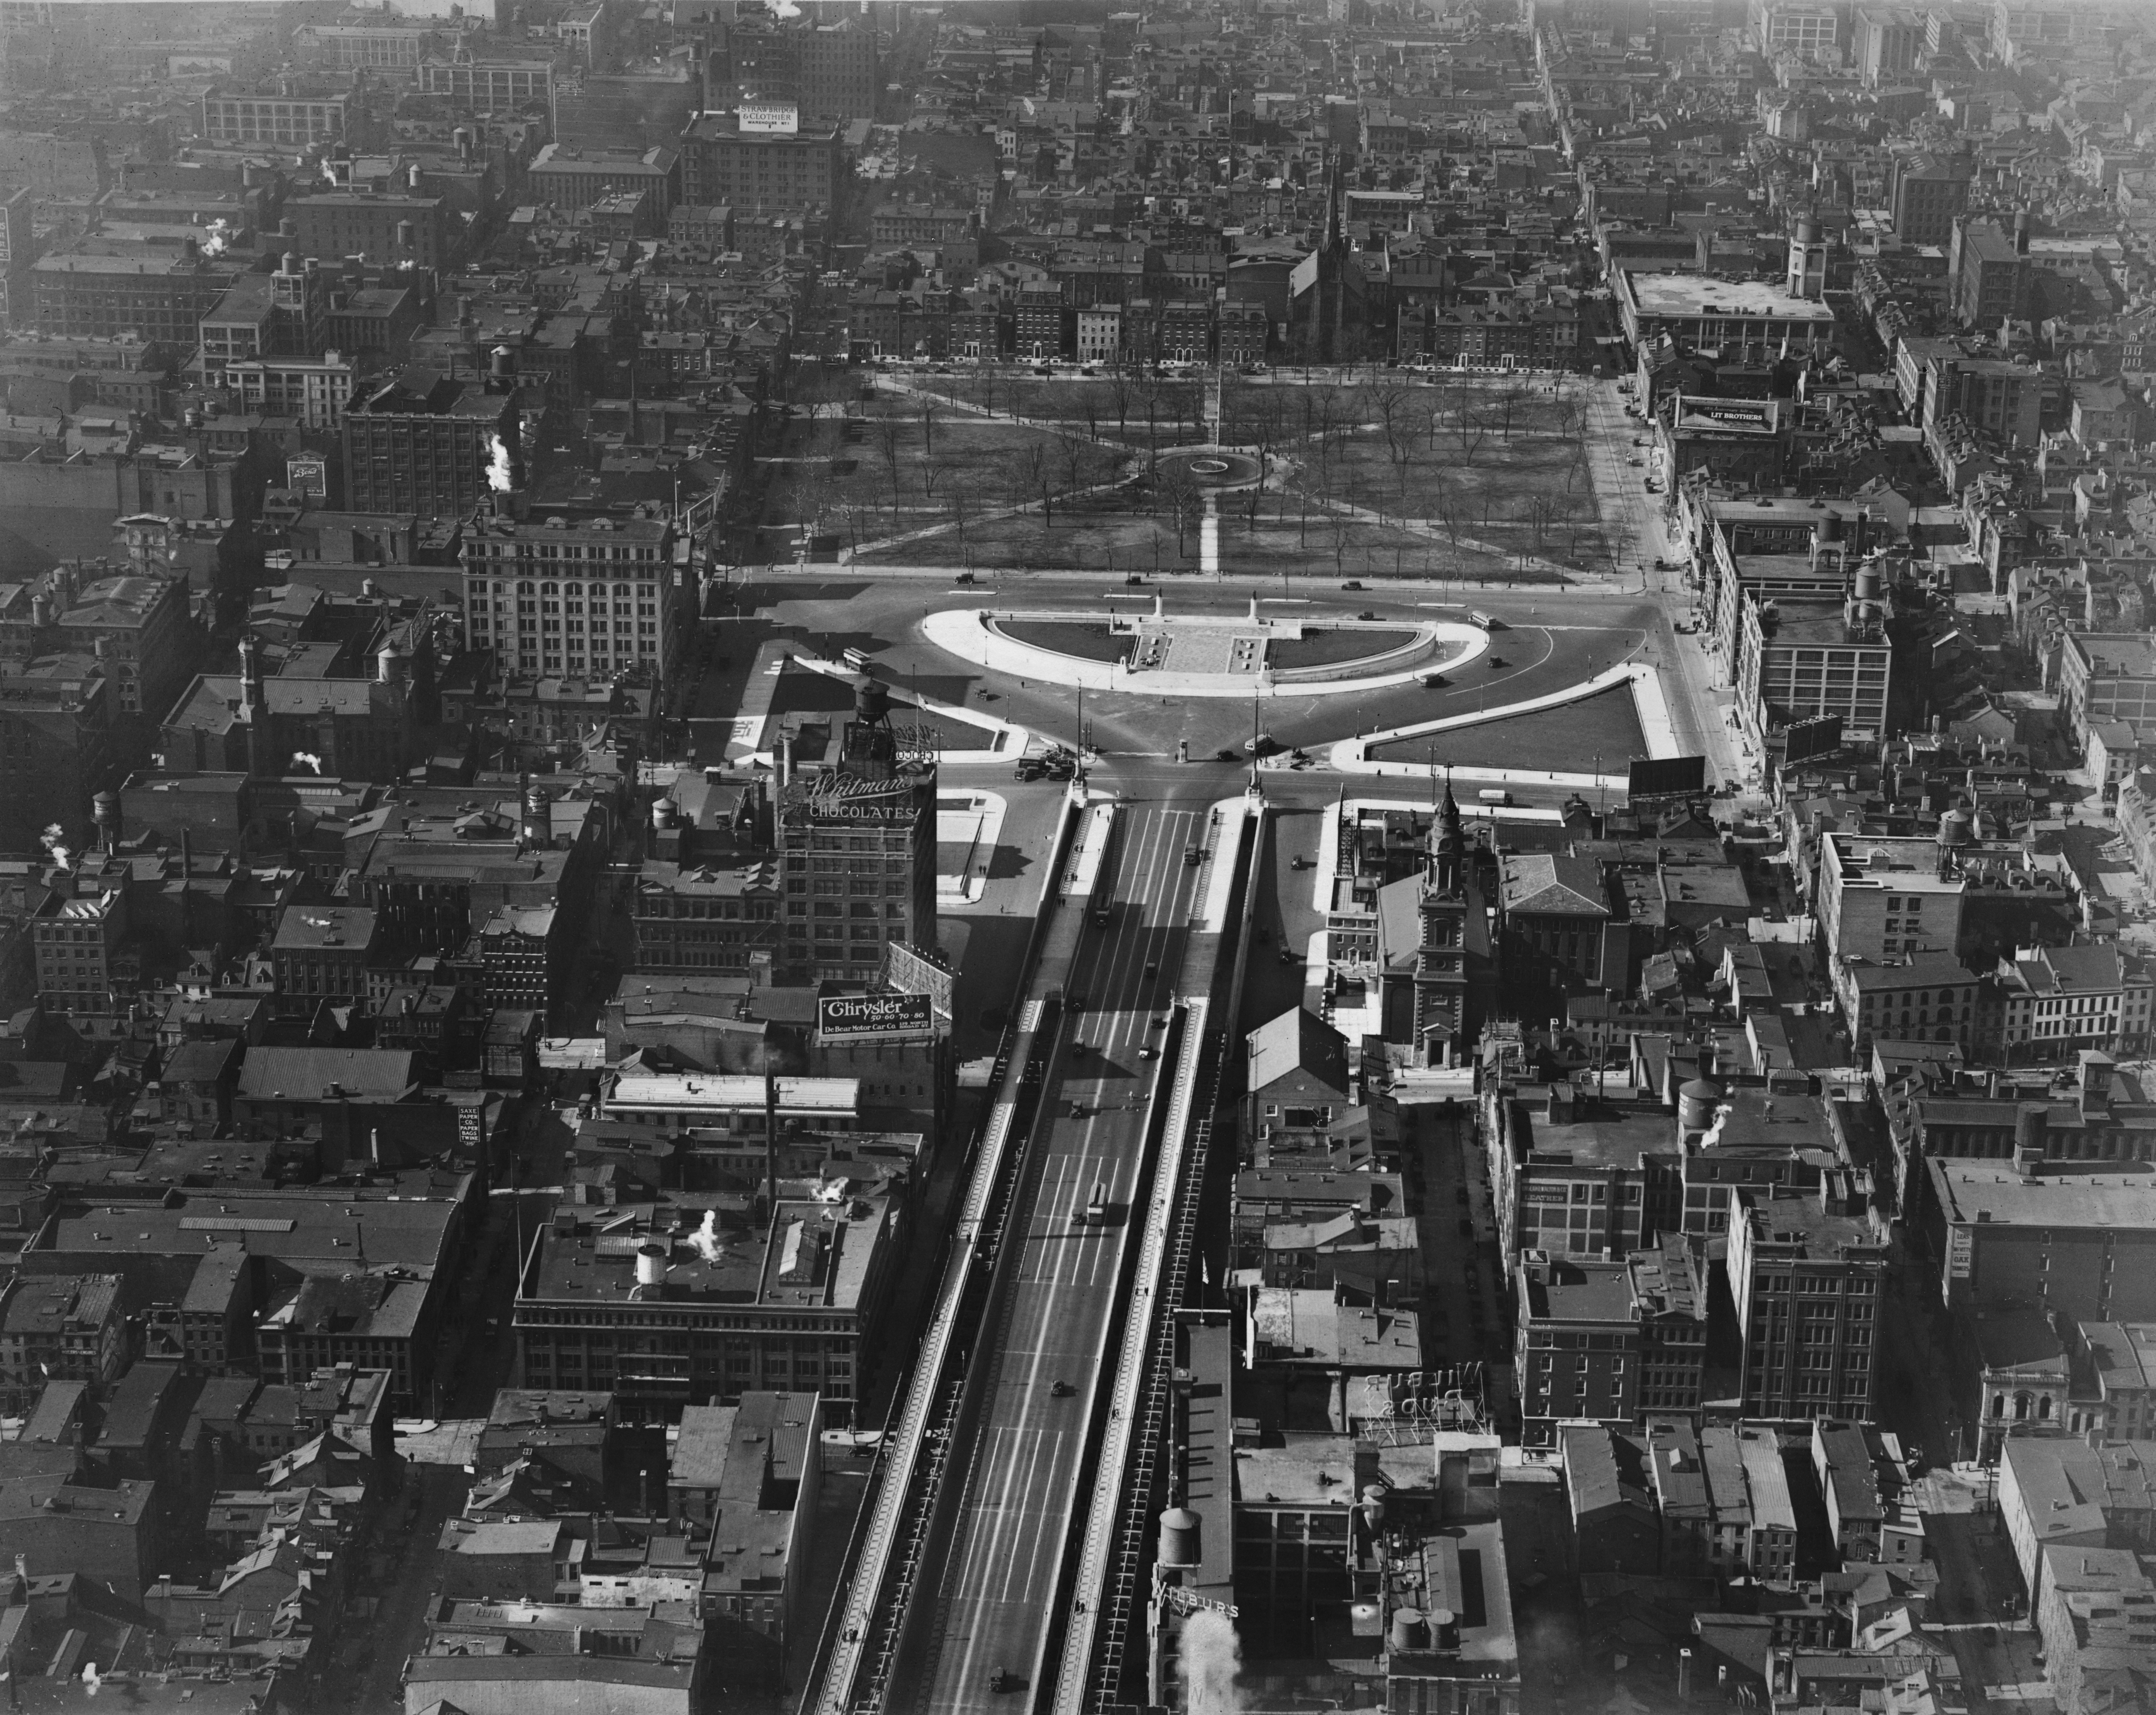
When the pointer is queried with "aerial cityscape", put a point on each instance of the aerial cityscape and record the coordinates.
(1198, 857)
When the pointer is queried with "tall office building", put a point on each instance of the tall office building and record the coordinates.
(1806, 1270)
(580, 594)
(424, 444)
(857, 859)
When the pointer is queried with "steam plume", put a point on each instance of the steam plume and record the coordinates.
(1212, 1658)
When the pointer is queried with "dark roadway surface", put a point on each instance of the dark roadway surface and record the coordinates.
(990, 1585)
(1553, 639)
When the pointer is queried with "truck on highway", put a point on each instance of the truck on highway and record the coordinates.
(1494, 795)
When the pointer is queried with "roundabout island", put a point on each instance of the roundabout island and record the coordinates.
(1205, 655)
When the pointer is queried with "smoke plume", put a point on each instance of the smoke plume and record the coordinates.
(706, 1238)
(499, 476)
(1212, 1658)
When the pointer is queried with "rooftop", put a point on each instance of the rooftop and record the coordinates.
(1689, 295)
(1989, 1192)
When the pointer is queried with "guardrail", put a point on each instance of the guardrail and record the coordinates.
(861, 1641)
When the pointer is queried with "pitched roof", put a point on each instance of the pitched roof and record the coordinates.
(1551, 884)
(1298, 1039)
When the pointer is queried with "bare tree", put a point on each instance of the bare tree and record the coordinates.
(1039, 473)
(1509, 400)
(1179, 490)
(927, 425)
(1470, 429)
(1450, 508)
(889, 431)
(957, 503)
(1542, 510)
(1074, 448)
(1392, 403)
(1122, 395)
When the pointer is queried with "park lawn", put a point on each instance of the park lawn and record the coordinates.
(832, 483)
(1068, 637)
(1083, 401)
(1486, 464)
(1329, 648)
(1569, 738)
(1106, 531)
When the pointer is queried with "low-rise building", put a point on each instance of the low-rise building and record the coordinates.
(687, 1299)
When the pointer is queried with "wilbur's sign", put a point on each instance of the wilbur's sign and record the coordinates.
(872, 1014)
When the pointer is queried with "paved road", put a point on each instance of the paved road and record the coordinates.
(999, 1566)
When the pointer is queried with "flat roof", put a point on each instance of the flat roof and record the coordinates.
(1991, 1193)
(1687, 295)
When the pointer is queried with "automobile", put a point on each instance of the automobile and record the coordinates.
(1060, 1389)
(1224, 755)
(1029, 769)
(1133, 577)
(1148, 1053)
(1496, 660)
(1287, 957)
(1300, 862)
(1158, 1023)
(1638, 440)
(1263, 745)
(1367, 614)
(1077, 1109)
(1074, 1002)
(1434, 681)
(1152, 967)
(1043, 369)
(1080, 1048)
(1192, 857)
(1635, 462)
(1002, 1680)
(1353, 583)
(965, 577)
(1089, 370)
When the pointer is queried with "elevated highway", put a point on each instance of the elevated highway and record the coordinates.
(985, 1538)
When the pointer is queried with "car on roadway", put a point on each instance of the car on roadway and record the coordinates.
(1353, 583)
(1192, 857)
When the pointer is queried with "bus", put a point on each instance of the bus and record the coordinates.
(1476, 616)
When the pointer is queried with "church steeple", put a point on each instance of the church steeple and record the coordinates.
(1451, 842)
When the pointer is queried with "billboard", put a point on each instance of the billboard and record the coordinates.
(772, 119)
(840, 1015)
(1819, 736)
(913, 971)
(1667, 777)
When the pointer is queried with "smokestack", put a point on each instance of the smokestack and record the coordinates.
(2021, 233)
